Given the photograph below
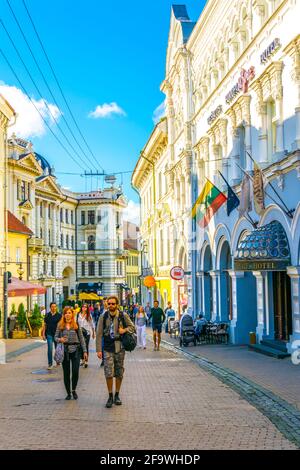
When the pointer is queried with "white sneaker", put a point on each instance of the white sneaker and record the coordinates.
(50, 367)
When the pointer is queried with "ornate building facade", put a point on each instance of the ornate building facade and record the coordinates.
(77, 242)
(232, 96)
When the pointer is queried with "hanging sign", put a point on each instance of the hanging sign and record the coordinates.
(177, 273)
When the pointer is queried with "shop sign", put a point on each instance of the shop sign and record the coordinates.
(177, 273)
(242, 84)
(268, 265)
(214, 115)
(273, 47)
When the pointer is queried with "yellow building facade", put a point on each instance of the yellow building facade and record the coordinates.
(6, 114)
(17, 256)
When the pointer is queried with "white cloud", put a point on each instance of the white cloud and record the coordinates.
(29, 122)
(107, 110)
(159, 113)
(132, 213)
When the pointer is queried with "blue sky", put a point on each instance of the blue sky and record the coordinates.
(103, 52)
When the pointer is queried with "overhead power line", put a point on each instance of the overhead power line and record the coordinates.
(40, 94)
(46, 83)
(46, 123)
(57, 82)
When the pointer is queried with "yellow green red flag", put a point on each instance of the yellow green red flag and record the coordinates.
(207, 204)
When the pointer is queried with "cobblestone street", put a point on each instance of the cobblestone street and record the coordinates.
(169, 402)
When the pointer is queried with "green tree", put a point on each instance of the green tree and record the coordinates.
(13, 310)
(36, 319)
(21, 317)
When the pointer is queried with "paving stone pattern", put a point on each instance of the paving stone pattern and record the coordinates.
(169, 403)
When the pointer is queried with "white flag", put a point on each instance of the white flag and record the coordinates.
(245, 199)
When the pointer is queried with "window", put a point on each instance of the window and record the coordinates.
(23, 190)
(91, 268)
(41, 210)
(82, 268)
(271, 129)
(91, 217)
(61, 215)
(18, 255)
(41, 233)
(72, 217)
(91, 242)
(82, 217)
(100, 268)
(45, 267)
(72, 242)
(67, 242)
(67, 216)
(99, 218)
(62, 240)
(49, 212)
(53, 268)
(49, 239)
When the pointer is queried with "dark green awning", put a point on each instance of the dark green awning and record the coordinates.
(265, 249)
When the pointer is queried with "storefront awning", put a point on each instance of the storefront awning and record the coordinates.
(265, 249)
(17, 288)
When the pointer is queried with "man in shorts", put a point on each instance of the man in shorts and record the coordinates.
(158, 317)
(110, 328)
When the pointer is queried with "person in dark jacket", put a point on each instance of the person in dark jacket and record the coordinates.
(51, 320)
(158, 317)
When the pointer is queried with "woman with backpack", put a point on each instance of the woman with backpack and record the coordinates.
(140, 324)
(85, 321)
(70, 335)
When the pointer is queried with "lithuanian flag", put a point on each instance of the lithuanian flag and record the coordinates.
(207, 204)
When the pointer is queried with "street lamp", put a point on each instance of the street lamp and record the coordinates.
(20, 271)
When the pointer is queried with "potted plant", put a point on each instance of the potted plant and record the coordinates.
(36, 321)
(20, 332)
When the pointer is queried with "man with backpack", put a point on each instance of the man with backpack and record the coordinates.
(118, 331)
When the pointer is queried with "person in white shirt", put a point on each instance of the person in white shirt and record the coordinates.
(85, 321)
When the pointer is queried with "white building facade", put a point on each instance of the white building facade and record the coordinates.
(232, 91)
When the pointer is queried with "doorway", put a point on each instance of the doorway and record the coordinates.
(283, 325)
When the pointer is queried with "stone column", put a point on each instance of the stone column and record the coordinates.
(261, 303)
(54, 225)
(263, 137)
(215, 275)
(279, 109)
(37, 219)
(294, 51)
(294, 273)
(46, 224)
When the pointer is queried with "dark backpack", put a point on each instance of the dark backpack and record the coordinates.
(128, 340)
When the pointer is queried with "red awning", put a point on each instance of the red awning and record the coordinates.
(17, 288)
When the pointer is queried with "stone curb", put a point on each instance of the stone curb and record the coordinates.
(282, 414)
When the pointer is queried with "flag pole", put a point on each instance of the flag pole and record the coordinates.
(287, 211)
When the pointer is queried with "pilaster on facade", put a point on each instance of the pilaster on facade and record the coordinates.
(294, 273)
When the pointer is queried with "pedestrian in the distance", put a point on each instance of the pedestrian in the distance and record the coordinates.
(70, 334)
(51, 320)
(170, 313)
(158, 317)
(85, 321)
(140, 324)
(111, 326)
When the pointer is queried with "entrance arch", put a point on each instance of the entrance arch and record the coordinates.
(68, 282)
(207, 267)
(225, 283)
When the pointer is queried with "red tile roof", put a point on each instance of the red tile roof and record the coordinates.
(15, 225)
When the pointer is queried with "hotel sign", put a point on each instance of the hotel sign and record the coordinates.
(242, 84)
(273, 47)
(214, 115)
(255, 265)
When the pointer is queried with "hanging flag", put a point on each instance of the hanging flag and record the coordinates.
(232, 200)
(207, 204)
(258, 190)
(245, 200)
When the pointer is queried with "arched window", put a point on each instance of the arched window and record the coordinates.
(91, 242)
